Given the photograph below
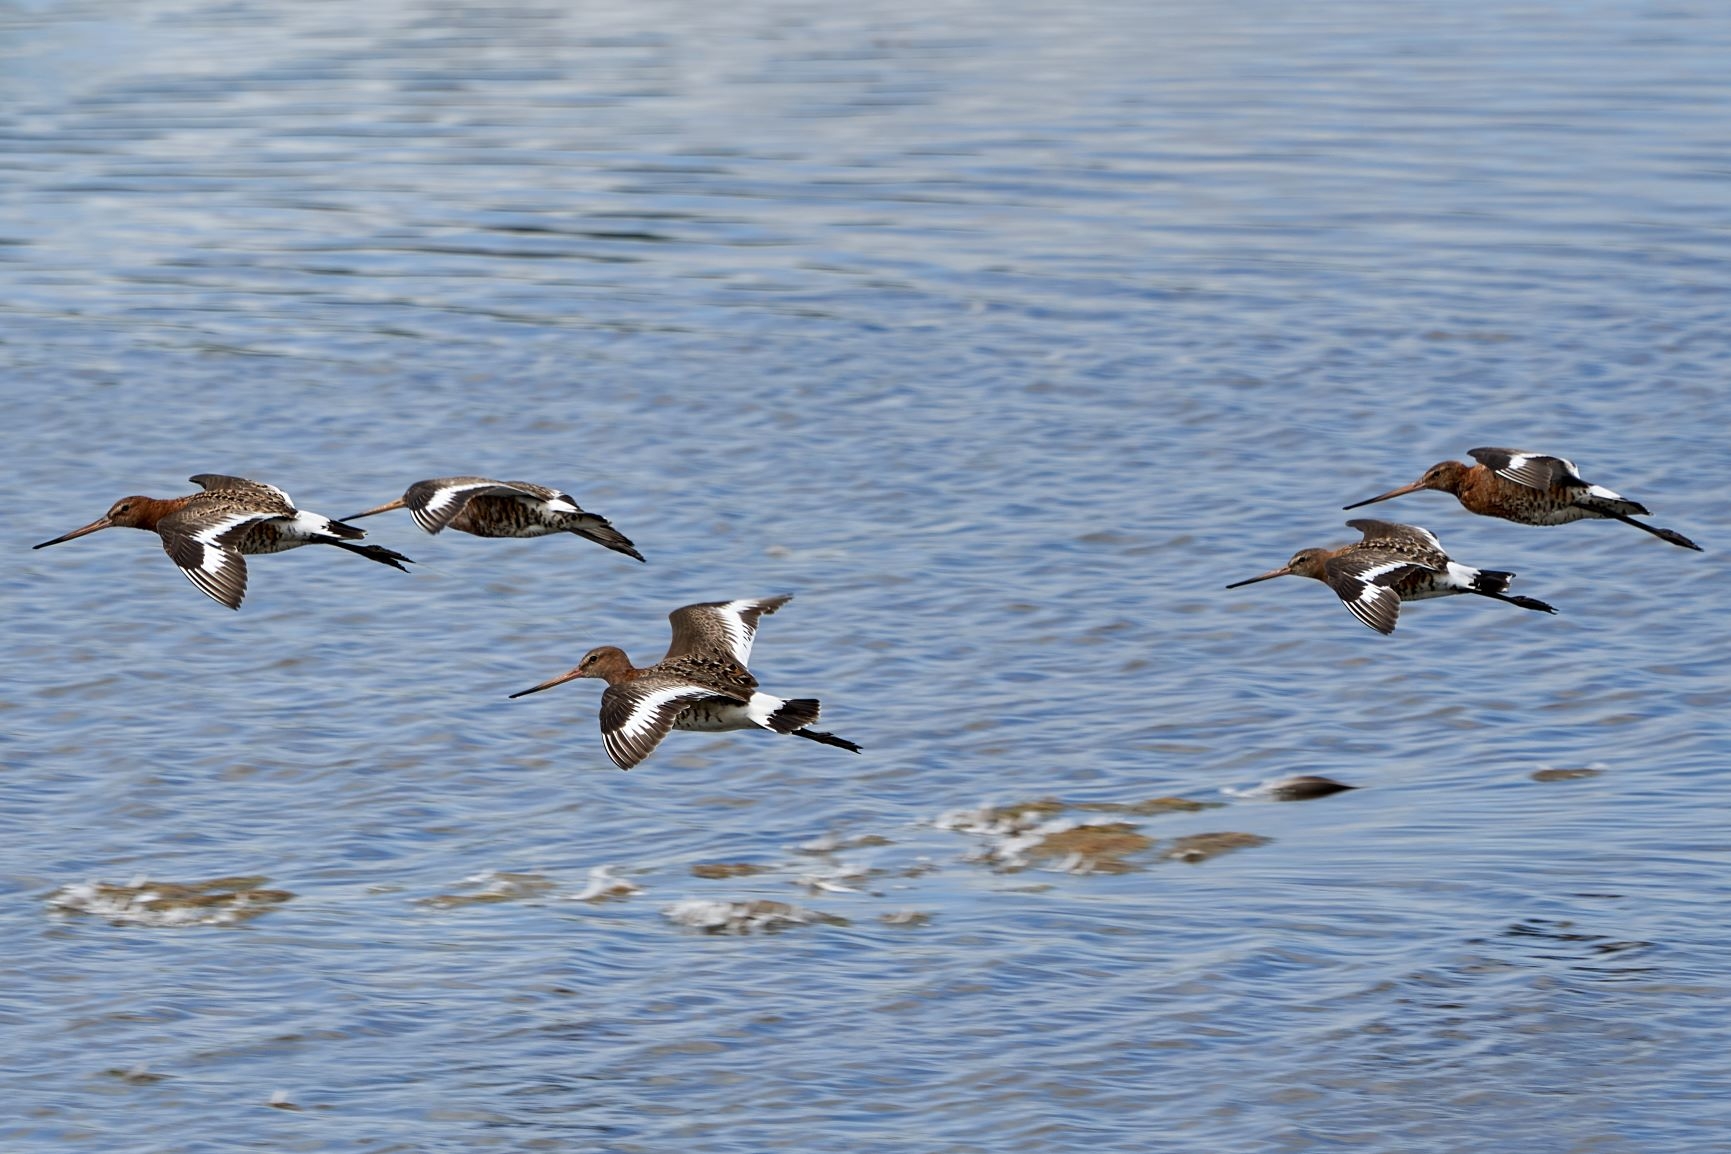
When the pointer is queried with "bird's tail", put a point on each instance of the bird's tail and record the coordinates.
(794, 715)
(601, 531)
(1494, 583)
(1491, 581)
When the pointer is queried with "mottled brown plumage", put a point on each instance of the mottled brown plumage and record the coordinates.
(1390, 564)
(701, 684)
(1530, 489)
(483, 507)
(206, 533)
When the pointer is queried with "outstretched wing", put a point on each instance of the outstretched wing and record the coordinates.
(1534, 470)
(1394, 531)
(1365, 581)
(258, 491)
(636, 715)
(720, 628)
(435, 504)
(200, 541)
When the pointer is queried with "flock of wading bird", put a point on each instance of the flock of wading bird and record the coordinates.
(703, 683)
(1395, 563)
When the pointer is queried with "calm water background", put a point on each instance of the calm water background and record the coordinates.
(1001, 334)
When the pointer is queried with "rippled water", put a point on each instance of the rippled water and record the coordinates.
(1003, 336)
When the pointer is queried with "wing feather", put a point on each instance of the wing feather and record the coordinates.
(198, 541)
(636, 715)
(1534, 470)
(435, 504)
(258, 490)
(1394, 531)
(720, 628)
(1366, 584)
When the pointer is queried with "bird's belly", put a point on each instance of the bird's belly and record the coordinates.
(268, 538)
(1554, 514)
(1420, 586)
(500, 527)
(506, 517)
(1530, 507)
(715, 717)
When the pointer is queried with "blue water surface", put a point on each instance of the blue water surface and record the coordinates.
(1003, 335)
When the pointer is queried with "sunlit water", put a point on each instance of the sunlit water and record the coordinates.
(1001, 335)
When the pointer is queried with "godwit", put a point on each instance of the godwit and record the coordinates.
(489, 508)
(1532, 489)
(1393, 563)
(701, 684)
(206, 533)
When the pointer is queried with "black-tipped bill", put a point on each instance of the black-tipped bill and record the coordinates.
(1400, 492)
(559, 680)
(1283, 571)
(99, 523)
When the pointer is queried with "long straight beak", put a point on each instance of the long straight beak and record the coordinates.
(1400, 492)
(385, 508)
(1283, 571)
(559, 680)
(99, 523)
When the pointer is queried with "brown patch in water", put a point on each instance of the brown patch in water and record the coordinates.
(727, 869)
(1091, 848)
(499, 887)
(220, 901)
(1564, 774)
(1199, 847)
(1150, 807)
(1043, 807)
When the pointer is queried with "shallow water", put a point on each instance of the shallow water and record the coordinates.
(1003, 337)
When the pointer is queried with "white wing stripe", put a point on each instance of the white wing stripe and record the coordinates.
(208, 533)
(436, 512)
(1369, 576)
(739, 634)
(645, 709)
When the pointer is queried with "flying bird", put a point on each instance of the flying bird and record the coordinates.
(702, 684)
(1532, 489)
(1391, 564)
(207, 533)
(488, 508)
